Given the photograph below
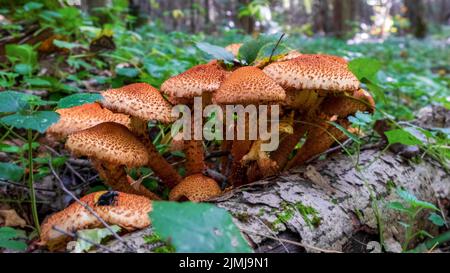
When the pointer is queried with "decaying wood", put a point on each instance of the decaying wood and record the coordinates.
(277, 214)
(347, 219)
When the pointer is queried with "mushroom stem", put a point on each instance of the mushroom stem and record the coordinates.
(165, 171)
(193, 149)
(287, 145)
(116, 177)
(319, 139)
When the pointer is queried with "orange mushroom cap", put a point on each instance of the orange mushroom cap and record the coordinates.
(128, 211)
(84, 116)
(109, 142)
(360, 100)
(140, 100)
(313, 72)
(194, 82)
(247, 85)
(195, 188)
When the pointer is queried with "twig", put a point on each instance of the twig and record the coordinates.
(88, 208)
(76, 236)
(23, 186)
(291, 242)
(67, 165)
(216, 175)
(275, 47)
(273, 233)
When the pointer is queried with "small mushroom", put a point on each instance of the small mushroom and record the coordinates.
(198, 81)
(111, 146)
(246, 85)
(81, 117)
(125, 210)
(308, 80)
(322, 135)
(195, 188)
(144, 103)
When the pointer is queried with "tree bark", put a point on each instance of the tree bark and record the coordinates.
(415, 11)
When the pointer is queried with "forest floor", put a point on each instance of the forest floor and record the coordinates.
(413, 74)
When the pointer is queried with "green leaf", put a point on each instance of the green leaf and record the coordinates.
(64, 44)
(249, 50)
(10, 171)
(13, 101)
(8, 236)
(23, 69)
(78, 99)
(216, 52)
(39, 120)
(24, 54)
(412, 200)
(345, 131)
(95, 235)
(402, 136)
(398, 206)
(360, 119)
(365, 68)
(436, 219)
(129, 72)
(32, 6)
(265, 51)
(37, 82)
(197, 227)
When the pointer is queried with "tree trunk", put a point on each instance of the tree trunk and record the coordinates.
(415, 11)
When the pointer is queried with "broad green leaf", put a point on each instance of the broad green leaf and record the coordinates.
(129, 72)
(436, 219)
(95, 235)
(10, 171)
(9, 148)
(39, 120)
(216, 52)
(78, 99)
(249, 50)
(365, 68)
(197, 227)
(8, 238)
(32, 6)
(265, 51)
(402, 136)
(361, 119)
(13, 101)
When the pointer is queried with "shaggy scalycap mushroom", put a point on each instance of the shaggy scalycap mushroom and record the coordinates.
(313, 72)
(248, 85)
(84, 116)
(195, 188)
(203, 78)
(109, 142)
(128, 211)
(139, 100)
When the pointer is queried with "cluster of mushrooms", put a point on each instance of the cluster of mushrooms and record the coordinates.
(310, 89)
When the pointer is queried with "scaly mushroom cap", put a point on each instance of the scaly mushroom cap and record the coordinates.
(248, 85)
(128, 211)
(345, 105)
(195, 188)
(313, 72)
(84, 116)
(140, 100)
(233, 48)
(290, 55)
(194, 82)
(109, 142)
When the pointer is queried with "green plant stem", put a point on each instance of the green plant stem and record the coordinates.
(31, 182)
(432, 243)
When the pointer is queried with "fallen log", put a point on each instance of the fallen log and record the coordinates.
(332, 205)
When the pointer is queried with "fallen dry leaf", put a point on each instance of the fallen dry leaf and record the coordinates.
(11, 218)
